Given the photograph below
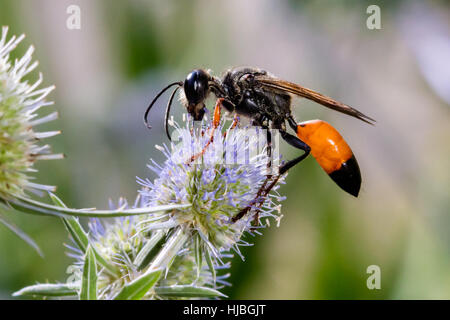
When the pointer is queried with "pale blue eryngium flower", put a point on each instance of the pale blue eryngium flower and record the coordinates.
(190, 246)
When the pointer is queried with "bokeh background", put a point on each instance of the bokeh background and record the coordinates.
(107, 72)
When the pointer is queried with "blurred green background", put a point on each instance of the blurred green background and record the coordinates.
(107, 72)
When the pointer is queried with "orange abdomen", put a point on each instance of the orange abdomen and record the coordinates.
(327, 145)
(332, 153)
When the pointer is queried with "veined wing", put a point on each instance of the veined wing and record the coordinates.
(300, 91)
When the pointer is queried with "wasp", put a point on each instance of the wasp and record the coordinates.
(267, 101)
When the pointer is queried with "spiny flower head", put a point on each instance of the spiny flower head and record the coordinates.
(189, 244)
(122, 242)
(19, 102)
(220, 177)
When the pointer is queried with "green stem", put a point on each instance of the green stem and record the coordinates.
(30, 206)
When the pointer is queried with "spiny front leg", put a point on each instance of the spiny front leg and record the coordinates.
(216, 123)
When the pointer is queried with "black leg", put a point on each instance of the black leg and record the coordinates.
(264, 190)
(268, 177)
(297, 143)
(261, 121)
(292, 123)
(269, 150)
(255, 221)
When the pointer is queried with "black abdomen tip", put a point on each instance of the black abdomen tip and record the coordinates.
(348, 177)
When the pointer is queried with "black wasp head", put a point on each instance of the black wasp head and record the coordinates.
(196, 89)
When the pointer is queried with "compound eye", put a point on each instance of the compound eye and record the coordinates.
(196, 86)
